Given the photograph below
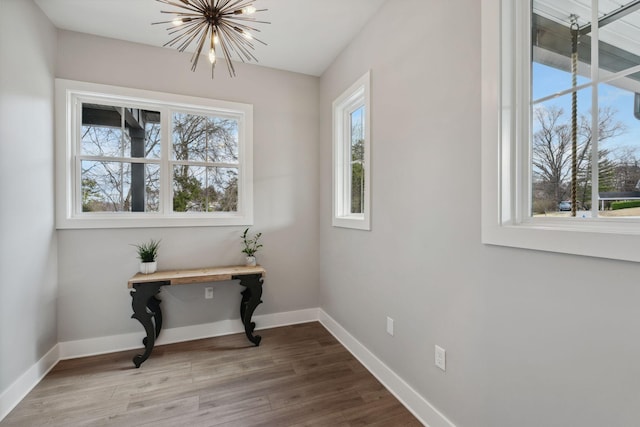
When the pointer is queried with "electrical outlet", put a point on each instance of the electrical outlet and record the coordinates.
(208, 293)
(390, 326)
(441, 358)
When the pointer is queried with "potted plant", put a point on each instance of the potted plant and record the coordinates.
(148, 254)
(251, 246)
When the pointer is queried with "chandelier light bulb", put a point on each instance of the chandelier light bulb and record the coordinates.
(177, 21)
(212, 55)
(247, 35)
(248, 10)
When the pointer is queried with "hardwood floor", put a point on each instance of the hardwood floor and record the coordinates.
(298, 376)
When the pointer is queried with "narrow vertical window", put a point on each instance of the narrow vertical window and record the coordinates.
(351, 156)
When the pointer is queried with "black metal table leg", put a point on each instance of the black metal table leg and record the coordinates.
(250, 300)
(146, 309)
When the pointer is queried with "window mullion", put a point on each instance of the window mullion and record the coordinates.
(77, 167)
(166, 171)
(346, 153)
(521, 188)
(595, 131)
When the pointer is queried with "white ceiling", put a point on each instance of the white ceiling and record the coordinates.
(304, 36)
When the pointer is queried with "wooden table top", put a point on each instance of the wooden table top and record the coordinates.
(196, 275)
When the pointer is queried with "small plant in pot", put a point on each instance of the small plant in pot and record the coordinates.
(148, 254)
(251, 246)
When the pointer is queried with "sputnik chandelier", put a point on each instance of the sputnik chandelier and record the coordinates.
(222, 26)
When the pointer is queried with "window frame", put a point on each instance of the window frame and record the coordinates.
(505, 156)
(69, 97)
(358, 95)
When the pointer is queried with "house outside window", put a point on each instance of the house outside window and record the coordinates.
(351, 157)
(130, 158)
(561, 126)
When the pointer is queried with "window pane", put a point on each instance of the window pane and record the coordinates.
(619, 47)
(205, 189)
(357, 187)
(119, 187)
(552, 45)
(120, 132)
(205, 138)
(619, 127)
(357, 134)
(552, 153)
(357, 160)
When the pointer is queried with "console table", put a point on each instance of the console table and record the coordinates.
(146, 306)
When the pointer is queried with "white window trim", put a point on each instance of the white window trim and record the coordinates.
(502, 165)
(68, 92)
(358, 94)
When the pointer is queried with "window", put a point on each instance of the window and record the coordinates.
(131, 158)
(561, 126)
(351, 157)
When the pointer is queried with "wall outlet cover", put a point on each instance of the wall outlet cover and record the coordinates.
(441, 358)
(390, 326)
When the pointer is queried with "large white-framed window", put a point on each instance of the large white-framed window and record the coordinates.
(351, 156)
(545, 149)
(133, 158)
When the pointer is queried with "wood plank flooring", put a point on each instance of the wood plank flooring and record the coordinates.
(298, 376)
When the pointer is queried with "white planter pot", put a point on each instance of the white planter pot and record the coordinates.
(250, 261)
(148, 267)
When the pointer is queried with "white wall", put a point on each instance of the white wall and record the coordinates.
(532, 338)
(28, 264)
(96, 264)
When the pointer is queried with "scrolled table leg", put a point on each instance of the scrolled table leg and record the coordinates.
(250, 300)
(146, 309)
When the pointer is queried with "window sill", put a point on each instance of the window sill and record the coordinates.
(608, 239)
(356, 222)
(128, 220)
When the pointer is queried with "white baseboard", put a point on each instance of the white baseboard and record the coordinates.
(27, 381)
(114, 343)
(414, 402)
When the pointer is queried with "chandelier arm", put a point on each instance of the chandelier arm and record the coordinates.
(185, 42)
(203, 4)
(247, 19)
(245, 27)
(237, 9)
(178, 13)
(259, 41)
(186, 37)
(196, 54)
(227, 57)
(239, 44)
(187, 6)
(222, 4)
(186, 28)
(242, 51)
(183, 26)
(236, 4)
